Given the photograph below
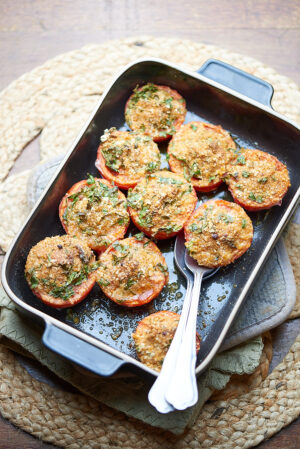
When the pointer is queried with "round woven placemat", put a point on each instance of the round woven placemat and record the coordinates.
(55, 99)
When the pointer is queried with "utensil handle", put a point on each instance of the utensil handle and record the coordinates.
(182, 391)
(84, 354)
(244, 83)
(156, 395)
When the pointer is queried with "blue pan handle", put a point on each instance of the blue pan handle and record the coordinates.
(238, 80)
(84, 354)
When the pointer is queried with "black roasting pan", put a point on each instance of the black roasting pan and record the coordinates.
(96, 334)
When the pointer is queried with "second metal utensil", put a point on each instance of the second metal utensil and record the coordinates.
(157, 393)
(182, 391)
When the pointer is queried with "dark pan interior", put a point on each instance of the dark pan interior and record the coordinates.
(250, 126)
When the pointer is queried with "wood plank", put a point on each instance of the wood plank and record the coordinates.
(29, 36)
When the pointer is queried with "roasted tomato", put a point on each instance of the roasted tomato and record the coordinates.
(257, 180)
(60, 270)
(94, 211)
(126, 157)
(217, 233)
(154, 335)
(132, 271)
(199, 151)
(158, 111)
(161, 204)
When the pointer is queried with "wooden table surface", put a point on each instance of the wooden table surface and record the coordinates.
(33, 31)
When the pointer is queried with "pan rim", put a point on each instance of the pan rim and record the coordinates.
(92, 340)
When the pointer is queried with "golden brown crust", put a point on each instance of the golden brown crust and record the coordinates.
(257, 180)
(126, 157)
(200, 151)
(217, 233)
(94, 211)
(161, 204)
(153, 337)
(60, 270)
(132, 271)
(156, 110)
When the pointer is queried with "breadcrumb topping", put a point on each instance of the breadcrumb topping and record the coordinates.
(218, 233)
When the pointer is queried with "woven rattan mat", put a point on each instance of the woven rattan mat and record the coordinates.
(55, 99)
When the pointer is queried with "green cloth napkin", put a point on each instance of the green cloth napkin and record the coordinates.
(129, 394)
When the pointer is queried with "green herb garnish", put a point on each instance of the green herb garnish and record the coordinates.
(162, 268)
(262, 180)
(241, 159)
(33, 280)
(140, 236)
(90, 179)
(103, 282)
(257, 199)
(152, 166)
(168, 101)
(129, 283)
(144, 92)
(169, 181)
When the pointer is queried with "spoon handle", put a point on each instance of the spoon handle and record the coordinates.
(156, 395)
(182, 391)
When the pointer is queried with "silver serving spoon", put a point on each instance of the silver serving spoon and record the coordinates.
(182, 391)
(157, 393)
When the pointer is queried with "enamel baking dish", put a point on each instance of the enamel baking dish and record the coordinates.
(96, 333)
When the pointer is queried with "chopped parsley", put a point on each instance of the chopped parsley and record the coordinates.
(262, 180)
(119, 247)
(103, 282)
(140, 236)
(74, 278)
(133, 199)
(112, 156)
(33, 280)
(245, 174)
(144, 92)
(193, 227)
(171, 228)
(144, 218)
(168, 101)
(122, 220)
(163, 134)
(195, 170)
(90, 179)
(118, 259)
(257, 199)
(152, 166)
(241, 159)
(226, 218)
(194, 127)
(244, 223)
(162, 267)
(129, 283)
(169, 181)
